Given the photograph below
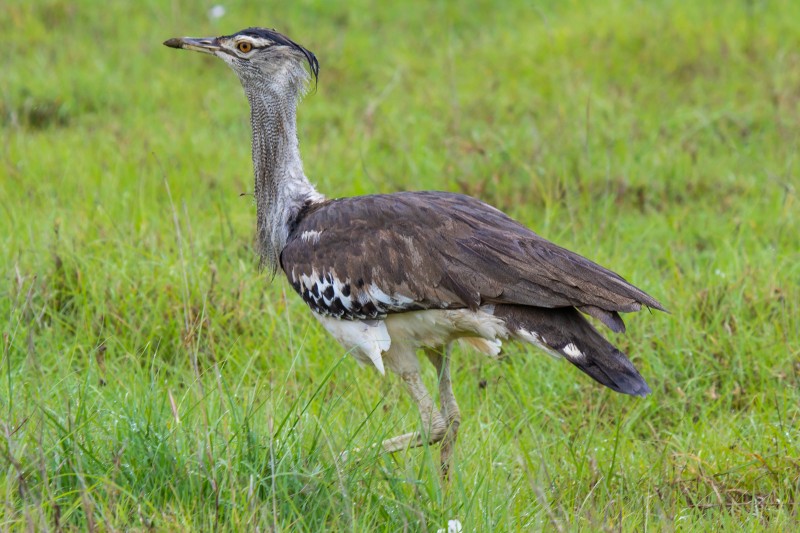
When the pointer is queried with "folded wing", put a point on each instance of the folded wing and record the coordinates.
(366, 257)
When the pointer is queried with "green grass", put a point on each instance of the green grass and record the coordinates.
(152, 378)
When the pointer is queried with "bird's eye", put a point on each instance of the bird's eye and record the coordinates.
(244, 47)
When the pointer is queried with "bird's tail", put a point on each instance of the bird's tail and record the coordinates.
(565, 332)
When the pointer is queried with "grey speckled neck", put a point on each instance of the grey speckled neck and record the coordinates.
(281, 187)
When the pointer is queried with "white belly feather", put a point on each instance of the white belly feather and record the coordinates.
(369, 340)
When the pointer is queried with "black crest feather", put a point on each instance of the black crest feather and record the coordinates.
(273, 35)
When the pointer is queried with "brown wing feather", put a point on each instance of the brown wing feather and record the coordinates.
(424, 250)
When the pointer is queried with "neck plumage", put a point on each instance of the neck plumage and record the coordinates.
(281, 186)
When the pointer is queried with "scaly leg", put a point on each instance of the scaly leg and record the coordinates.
(433, 425)
(440, 358)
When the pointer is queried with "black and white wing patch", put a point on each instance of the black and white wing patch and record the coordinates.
(329, 295)
(369, 256)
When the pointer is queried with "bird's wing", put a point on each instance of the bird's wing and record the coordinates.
(365, 257)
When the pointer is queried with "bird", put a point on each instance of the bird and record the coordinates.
(391, 276)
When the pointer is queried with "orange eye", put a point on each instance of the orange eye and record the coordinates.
(244, 47)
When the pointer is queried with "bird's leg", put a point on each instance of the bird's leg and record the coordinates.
(433, 425)
(440, 357)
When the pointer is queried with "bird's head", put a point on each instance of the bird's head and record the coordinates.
(258, 56)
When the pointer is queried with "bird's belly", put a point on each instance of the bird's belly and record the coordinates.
(369, 340)
(436, 327)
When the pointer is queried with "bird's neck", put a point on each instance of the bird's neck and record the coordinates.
(281, 186)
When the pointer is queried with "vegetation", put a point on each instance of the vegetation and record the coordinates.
(152, 378)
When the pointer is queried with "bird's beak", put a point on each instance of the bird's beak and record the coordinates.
(207, 45)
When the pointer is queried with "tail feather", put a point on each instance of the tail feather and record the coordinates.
(565, 331)
(610, 318)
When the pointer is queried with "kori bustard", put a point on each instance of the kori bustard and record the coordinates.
(390, 274)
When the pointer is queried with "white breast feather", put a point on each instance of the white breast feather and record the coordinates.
(365, 340)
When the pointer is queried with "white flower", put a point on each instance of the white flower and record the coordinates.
(453, 526)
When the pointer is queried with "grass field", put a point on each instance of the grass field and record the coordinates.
(153, 378)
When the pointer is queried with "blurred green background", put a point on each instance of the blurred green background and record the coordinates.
(152, 378)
